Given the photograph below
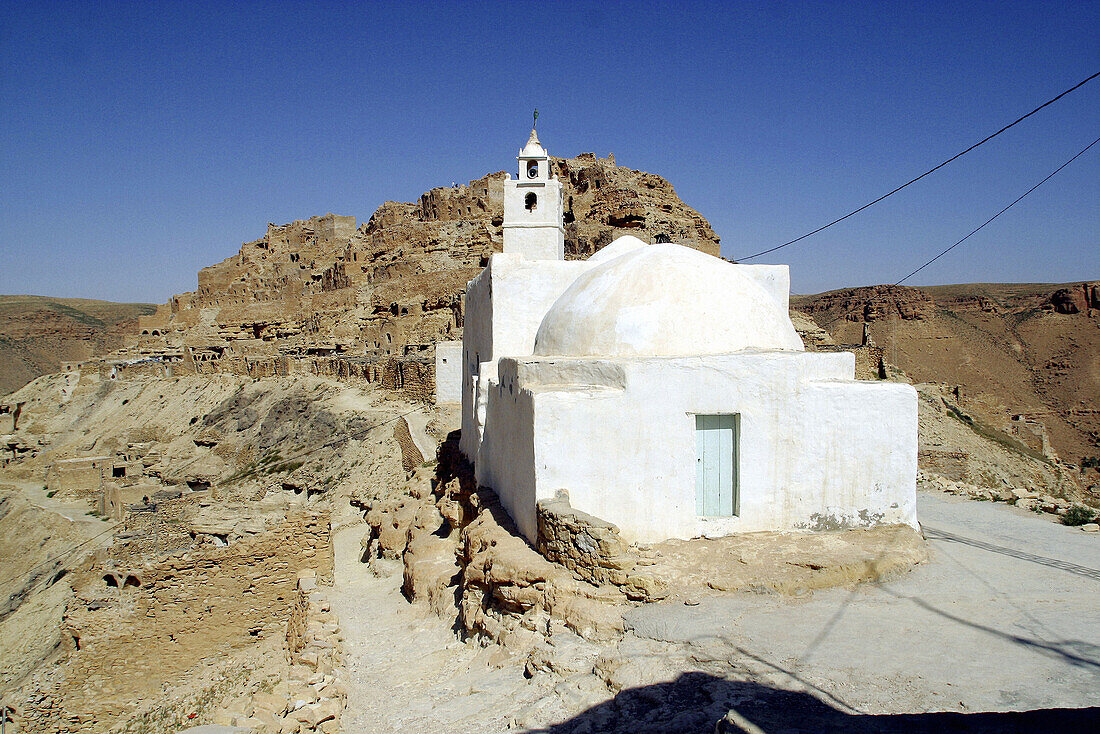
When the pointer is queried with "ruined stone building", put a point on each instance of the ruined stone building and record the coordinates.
(369, 301)
(665, 390)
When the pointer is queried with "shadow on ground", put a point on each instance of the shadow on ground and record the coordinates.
(699, 702)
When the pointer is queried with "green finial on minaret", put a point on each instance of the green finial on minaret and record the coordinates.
(535, 122)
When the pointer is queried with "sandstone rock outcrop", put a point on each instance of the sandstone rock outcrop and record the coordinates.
(871, 303)
(1083, 298)
(371, 300)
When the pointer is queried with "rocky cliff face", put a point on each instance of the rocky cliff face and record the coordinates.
(1082, 298)
(870, 303)
(394, 285)
(1016, 354)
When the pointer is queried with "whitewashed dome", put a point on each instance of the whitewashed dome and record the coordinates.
(534, 148)
(664, 301)
(622, 245)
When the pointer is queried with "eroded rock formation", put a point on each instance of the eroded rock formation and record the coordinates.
(872, 303)
(391, 287)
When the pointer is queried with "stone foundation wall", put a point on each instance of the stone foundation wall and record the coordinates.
(410, 453)
(586, 545)
(953, 465)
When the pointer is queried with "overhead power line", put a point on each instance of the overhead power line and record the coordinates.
(1081, 152)
(1017, 201)
(926, 173)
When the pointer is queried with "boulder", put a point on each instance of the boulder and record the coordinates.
(1067, 301)
(276, 705)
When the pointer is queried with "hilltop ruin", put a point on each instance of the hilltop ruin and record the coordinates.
(368, 301)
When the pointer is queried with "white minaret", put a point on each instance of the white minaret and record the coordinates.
(533, 207)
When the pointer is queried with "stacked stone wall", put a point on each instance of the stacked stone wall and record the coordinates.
(953, 465)
(870, 363)
(586, 545)
(174, 614)
(410, 453)
(870, 359)
(414, 377)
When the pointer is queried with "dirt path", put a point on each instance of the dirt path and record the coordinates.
(1003, 618)
(406, 669)
(76, 512)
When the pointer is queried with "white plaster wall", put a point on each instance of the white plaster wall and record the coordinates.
(535, 242)
(448, 372)
(817, 450)
(774, 279)
(506, 455)
(505, 304)
(536, 234)
(523, 291)
(477, 350)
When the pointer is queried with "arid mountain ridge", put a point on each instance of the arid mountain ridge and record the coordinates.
(348, 297)
(393, 285)
(38, 333)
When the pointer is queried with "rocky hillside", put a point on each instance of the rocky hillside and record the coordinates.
(393, 285)
(38, 333)
(176, 517)
(1022, 358)
(195, 515)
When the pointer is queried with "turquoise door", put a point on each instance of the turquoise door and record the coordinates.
(716, 465)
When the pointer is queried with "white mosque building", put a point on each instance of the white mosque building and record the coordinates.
(666, 391)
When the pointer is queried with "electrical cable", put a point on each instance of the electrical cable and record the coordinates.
(832, 321)
(1014, 203)
(926, 173)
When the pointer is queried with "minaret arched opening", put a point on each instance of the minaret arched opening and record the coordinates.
(530, 202)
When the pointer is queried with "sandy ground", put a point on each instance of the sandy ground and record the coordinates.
(1004, 617)
(406, 671)
(76, 512)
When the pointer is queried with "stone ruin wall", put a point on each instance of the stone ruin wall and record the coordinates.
(177, 612)
(953, 465)
(413, 375)
(394, 283)
(410, 452)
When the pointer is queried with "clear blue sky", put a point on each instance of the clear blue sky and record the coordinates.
(141, 141)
